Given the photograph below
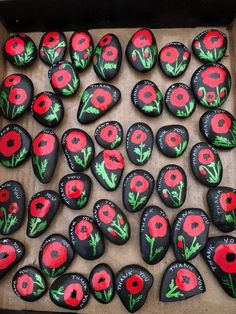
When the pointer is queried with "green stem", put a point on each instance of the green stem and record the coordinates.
(93, 244)
(84, 106)
(33, 230)
(36, 162)
(151, 255)
(214, 178)
(123, 234)
(109, 182)
(54, 113)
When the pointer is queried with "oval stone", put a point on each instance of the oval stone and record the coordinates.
(109, 134)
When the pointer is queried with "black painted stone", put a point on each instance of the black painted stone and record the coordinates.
(107, 57)
(147, 98)
(75, 189)
(141, 50)
(15, 145)
(107, 167)
(137, 189)
(11, 252)
(86, 237)
(211, 84)
(102, 283)
(12, 207)
(220, 256)
(29, 284)
(44, 155)
(139, 143)
(47, 108)
(174, 59)
(172, 140)
(189, 233)
(55, 255)
(172, 185)
(181, 281)
(78, 148)
(154, 237)
(206, 164)
(210, 45)
(16, 93)
(20, 50)
(180, 101)
(81, 49)
(64, 78)
(96, 100)
(70, 291)
(112, 221)
(41, 211)
(109, 134)
(133, 283)
(221, 201)
(218, 126)
(52, 47)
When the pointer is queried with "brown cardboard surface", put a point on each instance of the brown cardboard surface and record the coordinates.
(214, 300)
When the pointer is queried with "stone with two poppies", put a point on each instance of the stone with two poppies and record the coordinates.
(109, 134)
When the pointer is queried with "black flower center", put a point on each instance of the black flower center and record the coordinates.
(194, 225)
(60, 78)
(135, 284)
(102, 279)
(168, 54)
(221, 122)
(109, 133)
(51, 39)
(11, 80)
(75, 140)
(3, 255)
(214, 75)
(14, 45)
(24, 285)
(214, 39)
(73, 294)
(147, 94)
(105, 213)
(42, 143)
(74, 188)
(158, 225)
(54, 254)
(42, 103)
(228, 200)
(180, 96)
(39, 205)
(10, 143)
(83, 229)
(173, 177)
(143, 37)
(17, 96)
(81, 41)
(206, 156)
(173, 139)
(109, 53)
(186, 279)
(230, 257)
(100, 99)
(139, 183)
(114, 158)
(105, 39)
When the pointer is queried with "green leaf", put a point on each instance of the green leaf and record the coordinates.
(56, 107)
(169, 68)
(137, 150)
(229, 218)
(110, 66)
(92, 110)
(6, 163)
(3, 95)
(50, 117)
(149, 108)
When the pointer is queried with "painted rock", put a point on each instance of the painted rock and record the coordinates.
(44, 155)
(206, 164)
(211, 84)
(154, 238)
(107, 57)
(78, 148)
(220, 255)
(181, 281)
(218, 126)
(41, 211)
(86, 237)
(180, 100)
(20, 50)
(64, 78)
(52, 47)
(81, 50)
(11, 252)
(75, 189)
(137, 189)
(139, 143)
(29, 284)
(55, 255)
(112, 221)
(107, 167)
(96, 100)
(15, 145)
(221, 201)
(147, 98)
(16, 93)
(189, 233)
(70, 291)
(109, 134)
(172, 140)
(172, 186)
(102, 283)
(133, 283)
(141, 51)
(47, 108)
(12, 207)
(210, 45)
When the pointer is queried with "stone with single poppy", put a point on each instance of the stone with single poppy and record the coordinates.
(109, 134)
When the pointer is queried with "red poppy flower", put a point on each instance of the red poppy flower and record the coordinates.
(134, 284)
(80, 41)
(213, 76)
(106, 214)
(73, 294)
(113, 159)
(203, 172)
(221, 123)
(76, 141)
(25, 285)
(112, 233)
(157, 226)
(179, 97)
(225, 257)
(50, 39)
(147, 94)
(169, 54)
(101, 280)
(200, 93)
(39, 207)
(139, 184)
(41, 104)
(74, 188)
(194, 225)
(213, 40)
(109, 133)
(61, 78)
(7, 255)
(4, 195)
(13, 208)
(186, 280)
(83, 229)
(186, 55)
(101, 99)
(43, 144)
(105, 40)
(172, 139)
(142, 38)
(14, 46)
(180, 244)
(173, 177)
(210, 96)
(17, 96)
(222, 94)
(54, 255)
(197, 44)
(12, 80)
(205, 156)
(228, 201)
(10, 143)
(110, 53)
(138, 137)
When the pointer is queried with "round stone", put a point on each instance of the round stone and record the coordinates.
(109, 134)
